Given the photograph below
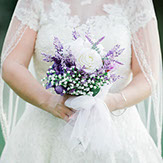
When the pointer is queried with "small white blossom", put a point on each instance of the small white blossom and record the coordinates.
(90, 93)
(87, 89)
(102, 78)
(59, 76)
(93, 81)
(86, 84)
(84, 93)
(89, 81)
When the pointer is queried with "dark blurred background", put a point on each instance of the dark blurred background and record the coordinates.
(7, 8)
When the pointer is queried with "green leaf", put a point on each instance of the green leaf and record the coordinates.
(95, 91)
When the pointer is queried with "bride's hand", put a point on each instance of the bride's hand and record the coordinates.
(55, 105)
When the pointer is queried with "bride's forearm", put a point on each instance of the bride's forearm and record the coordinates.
(24, 84)
(137, 90)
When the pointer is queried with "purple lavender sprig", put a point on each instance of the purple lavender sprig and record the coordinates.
(75, 35)
(89, 39)
(98, 42)
(58, 45)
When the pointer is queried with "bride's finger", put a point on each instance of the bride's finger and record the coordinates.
(66, 118)
(73, 110)
(67, 111)
(62, 115)
(56, 114)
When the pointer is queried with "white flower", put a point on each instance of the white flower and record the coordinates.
(86, 84)
(85, 55)
(92, 75)
(59, 76)
(90, 59)
(89, 80)
(65, 82)
(93, 81)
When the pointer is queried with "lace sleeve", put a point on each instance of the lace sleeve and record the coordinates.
(139, 13)
(28, 13)
(146, 47)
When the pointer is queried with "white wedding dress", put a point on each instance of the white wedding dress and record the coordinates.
(34, 139)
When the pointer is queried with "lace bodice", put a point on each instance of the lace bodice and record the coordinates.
(59, 22)
(121, 22)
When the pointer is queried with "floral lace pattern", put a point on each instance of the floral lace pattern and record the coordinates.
(35, 137)
(114, 27)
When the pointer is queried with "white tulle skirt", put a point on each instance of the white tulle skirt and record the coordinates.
(36, 139)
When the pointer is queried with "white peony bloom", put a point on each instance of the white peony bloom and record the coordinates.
(85, 55)
(90, 58)
(76, 45)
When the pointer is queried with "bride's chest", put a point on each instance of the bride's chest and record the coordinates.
(59, 23)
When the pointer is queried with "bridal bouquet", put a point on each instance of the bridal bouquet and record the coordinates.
(81, 67)
(84, 69)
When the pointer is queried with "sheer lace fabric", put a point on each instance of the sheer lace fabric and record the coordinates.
(125, 22)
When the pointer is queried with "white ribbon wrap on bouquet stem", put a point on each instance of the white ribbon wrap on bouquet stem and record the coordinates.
(91, 126)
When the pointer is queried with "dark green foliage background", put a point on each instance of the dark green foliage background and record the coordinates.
(7, 8)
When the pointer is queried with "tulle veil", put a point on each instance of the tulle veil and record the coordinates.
(145, 42)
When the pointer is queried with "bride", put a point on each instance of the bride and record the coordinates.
(32, 117)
